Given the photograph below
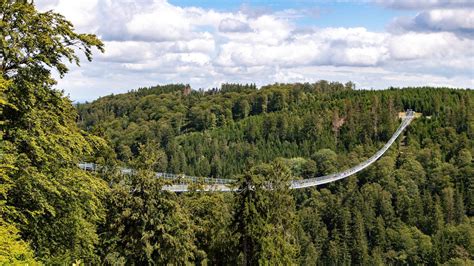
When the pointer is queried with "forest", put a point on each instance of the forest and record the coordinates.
(414, 206)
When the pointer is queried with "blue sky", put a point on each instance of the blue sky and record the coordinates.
(327, 13)
(374, 43)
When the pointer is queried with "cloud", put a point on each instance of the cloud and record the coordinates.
(330, 46)
(459, 21)
(205, 44)
(429, 45)
(233, 25)
(83, 13)
(426, 4)
(128, 51)
(162, 22)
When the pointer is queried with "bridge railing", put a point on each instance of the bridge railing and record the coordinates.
(177, 178)
(340, 175)
(194, 179)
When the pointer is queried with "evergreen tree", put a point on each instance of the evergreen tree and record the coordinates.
(146, 225)
(264, 219)
(359, 245)
(211, 216)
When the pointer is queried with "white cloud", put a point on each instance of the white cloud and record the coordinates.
(233, 25)
(83, 13)
(271, 30)
(460, 21)
(443, 45)
(206, 45)
(127, 51)
(450, 19)
(330, 46)
(162, 22)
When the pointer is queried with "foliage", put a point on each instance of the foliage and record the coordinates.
(13, 250)
(395, 212)
(145, 224)
(31, 39)
(55, 206)
(211, 215)
(265, 220)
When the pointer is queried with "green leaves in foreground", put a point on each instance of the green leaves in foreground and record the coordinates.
(33, 40)
(55, 206)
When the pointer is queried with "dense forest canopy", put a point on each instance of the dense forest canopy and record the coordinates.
(239, 125)
(413, 206)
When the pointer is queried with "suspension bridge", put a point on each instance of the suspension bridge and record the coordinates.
(182, 183)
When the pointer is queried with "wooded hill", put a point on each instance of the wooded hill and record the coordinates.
(414, 206)
(220, 133)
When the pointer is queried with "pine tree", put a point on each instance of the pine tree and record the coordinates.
(145, 224)
(211, 217)
(264, 219)
(458, 207)
(359, 244)
(448, 204)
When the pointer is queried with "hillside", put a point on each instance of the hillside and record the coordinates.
(402, 210)
(221, 132)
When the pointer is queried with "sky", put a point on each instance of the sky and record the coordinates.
(373, 43)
